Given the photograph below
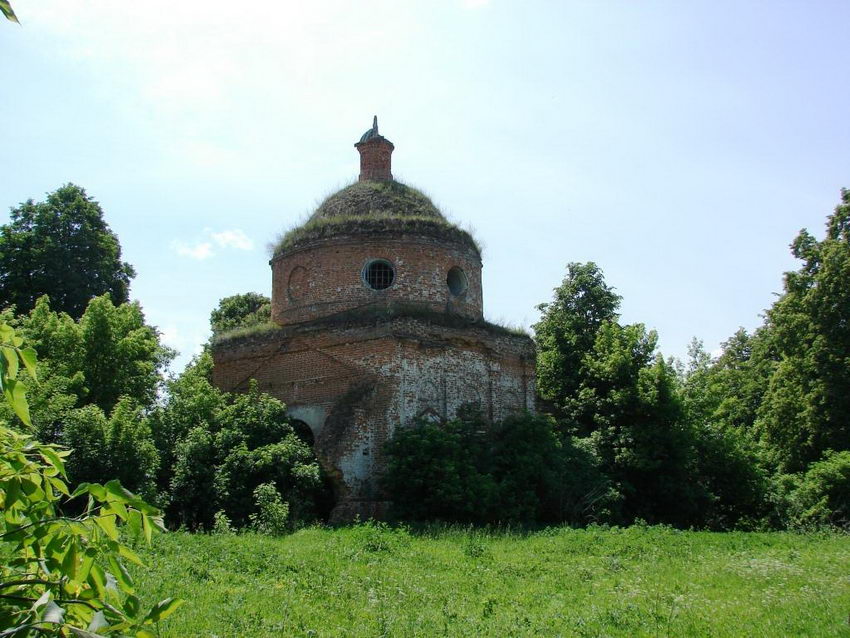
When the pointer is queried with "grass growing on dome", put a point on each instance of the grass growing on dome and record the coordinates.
(378, 198)
(375, 208)
(324, 227)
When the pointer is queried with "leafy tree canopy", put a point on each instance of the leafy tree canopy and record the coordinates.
(61, 248)
(567, 331)
(806, 408)
(240, 310)
(110, 350)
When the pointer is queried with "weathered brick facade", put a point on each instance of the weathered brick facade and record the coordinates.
(354, 362)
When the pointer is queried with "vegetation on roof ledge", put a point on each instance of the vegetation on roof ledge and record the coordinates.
(378, 313)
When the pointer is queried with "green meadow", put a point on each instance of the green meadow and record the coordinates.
(370, 580)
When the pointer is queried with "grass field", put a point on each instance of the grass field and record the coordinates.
(371, 581)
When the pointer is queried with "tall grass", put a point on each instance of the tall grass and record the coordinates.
(371, 580)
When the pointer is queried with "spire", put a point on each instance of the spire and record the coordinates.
(375, 155)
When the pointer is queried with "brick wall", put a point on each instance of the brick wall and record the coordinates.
(354, 384)
(326, 277)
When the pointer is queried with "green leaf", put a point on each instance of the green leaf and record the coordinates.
(121, 574)
(107, 524)
(163, 609)
(132, 606)
(82, 488)
(87, 563)
(97, 579)
(59, 484)
(96, 490)
(134, 522)
(118, 492)
(82, 633)
(130, 555)
(116, 508)
(15, 392)
(50, 455)
(146, 525)
(11, 356)
(144, 633)
(28, 356)
(13, 492)
(70, 562)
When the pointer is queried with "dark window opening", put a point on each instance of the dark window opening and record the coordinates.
(303, 432)
(456, 281)
(379, 275)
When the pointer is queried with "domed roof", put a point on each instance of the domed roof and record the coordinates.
(377, 199)
(375, 208)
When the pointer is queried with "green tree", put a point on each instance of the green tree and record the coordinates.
(119, 446)
(567, 331)
(192, 402)
(471, 471)
(240, 310)
(108, 353)
(720, 398)
(440, 472)
(822, 494)
(806, 408)
(61, 248)
(629, 397)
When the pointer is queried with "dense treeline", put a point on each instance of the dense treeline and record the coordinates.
(181, 443)
(756, 437)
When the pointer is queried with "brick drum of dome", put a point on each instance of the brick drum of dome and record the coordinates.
(378, 304)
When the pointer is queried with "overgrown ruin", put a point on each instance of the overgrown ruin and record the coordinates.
(377, 319)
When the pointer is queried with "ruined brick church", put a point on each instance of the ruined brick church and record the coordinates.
(378, 310)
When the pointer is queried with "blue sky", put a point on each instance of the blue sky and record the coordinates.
(680, 145)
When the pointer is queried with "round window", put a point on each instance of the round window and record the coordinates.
(379, 274)
(456, 281)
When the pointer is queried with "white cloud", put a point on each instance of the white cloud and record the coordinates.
(204, 248)
(200, 250)
(234, 238)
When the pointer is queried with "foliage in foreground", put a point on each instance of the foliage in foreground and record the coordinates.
(63, 572)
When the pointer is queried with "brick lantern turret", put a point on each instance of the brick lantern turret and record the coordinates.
(375, 155)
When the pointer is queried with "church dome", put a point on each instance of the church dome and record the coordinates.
(377, 208)
(377, 199)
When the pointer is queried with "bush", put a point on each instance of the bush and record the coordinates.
(248, 442)
(514, 471)
(272, 515)
(822, 496)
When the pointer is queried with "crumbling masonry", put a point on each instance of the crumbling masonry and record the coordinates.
(378, 308)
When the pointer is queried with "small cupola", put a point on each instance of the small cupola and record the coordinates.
(375, 155)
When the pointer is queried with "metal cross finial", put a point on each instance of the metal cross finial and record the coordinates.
(375, 124)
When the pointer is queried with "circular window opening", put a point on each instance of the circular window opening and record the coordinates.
(457, 281)
(379, 274)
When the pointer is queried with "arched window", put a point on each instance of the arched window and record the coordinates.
(457, 281)
(303, 431)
